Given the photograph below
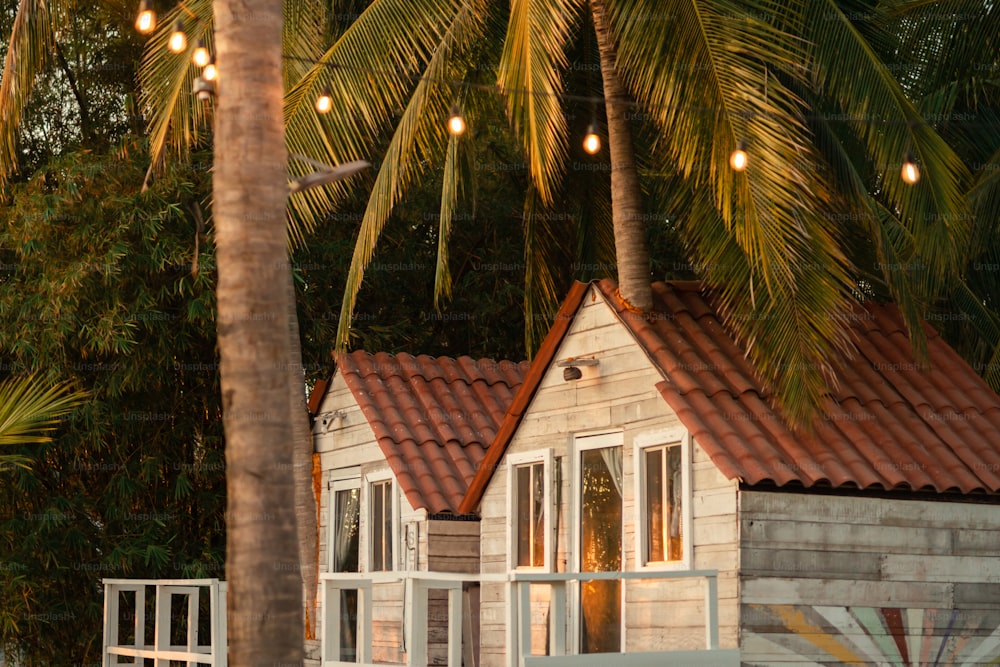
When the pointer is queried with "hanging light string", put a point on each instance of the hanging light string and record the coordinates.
(146, 23)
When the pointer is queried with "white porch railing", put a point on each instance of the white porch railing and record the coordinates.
(519, 623)
(192, 653)
(417, 585)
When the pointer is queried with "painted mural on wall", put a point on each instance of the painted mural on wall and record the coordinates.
(829, 635)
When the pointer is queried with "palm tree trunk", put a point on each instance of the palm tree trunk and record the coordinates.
(250, 191)
(302, 464)
(631, 250)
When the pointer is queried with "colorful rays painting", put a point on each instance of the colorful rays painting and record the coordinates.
(890, 636)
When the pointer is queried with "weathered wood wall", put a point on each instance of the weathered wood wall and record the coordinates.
(880, 581)
(348, 450)
(617, 394)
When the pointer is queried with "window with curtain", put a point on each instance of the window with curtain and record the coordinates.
(529, 515)
(344, 543)
(381, 525)
(663, 503)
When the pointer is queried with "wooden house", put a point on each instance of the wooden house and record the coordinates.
(399, 439)
(644, 498)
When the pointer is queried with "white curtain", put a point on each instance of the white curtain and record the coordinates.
(612, 457)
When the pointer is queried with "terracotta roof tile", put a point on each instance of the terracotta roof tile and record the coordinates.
(888, 422)
(433, 417)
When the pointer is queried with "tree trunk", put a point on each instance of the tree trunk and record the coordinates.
(250, 191)
(302, 463)
(631, 250)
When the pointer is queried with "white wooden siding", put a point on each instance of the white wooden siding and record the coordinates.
(618, 393)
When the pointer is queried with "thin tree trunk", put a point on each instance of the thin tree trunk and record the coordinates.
(631, 250)
(302, 462)
(250, 191)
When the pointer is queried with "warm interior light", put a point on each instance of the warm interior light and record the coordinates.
(592, 142)
(200, 56)
(210, 73)
(910, 171)
(178, 40)
(325, 101)
(738, 159)
(456, 124)
(145, 22)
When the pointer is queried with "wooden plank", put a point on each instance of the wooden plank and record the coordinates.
(976, 542)
(812, 564)
(903, 567)
(872, 511)
(721, 658)
(805, 534)
(847, 592)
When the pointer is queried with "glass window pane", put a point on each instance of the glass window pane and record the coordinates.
(522, 515)
(538, 517)
(674, 499)
(387, 522)
(346, 530)
(654, 505)
(378, 562)
(601, 548)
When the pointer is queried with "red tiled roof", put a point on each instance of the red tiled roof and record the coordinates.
(889, 424)
(433, 417)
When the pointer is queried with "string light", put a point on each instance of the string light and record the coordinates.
(145, 22)
(592, 142)
(211, 72)
(325, 101)
(204, 89)
(456, 124)
(178, 40)
(200, 57)
(738, 158)
(910, 172)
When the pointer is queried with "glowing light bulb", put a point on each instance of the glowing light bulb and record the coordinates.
(178, 40)
(592, 142)
(456, 124)
(200, 56)
(738, 159)
(910, 172)
(324, 103)
(211, 72)
(145, 22)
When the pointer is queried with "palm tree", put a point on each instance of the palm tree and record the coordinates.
(262, 562)
(29, 412)
(700, 77)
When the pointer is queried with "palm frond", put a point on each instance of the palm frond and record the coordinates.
(420, 134)
(541, 291)
(371, 69)
(29, 411)
(760, 237)
(177, 121)
(449, 200)
(530, 79)
(29, 50)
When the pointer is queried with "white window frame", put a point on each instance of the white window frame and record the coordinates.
(579, 443)
(366, 507)
(344, 484)
(545, 457)
(676, 435)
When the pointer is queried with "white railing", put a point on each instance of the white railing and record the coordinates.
(519, 622)
(192, 653)
(417, 585)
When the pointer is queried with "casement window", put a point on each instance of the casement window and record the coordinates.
(530, 509)
(663, 483)
(344, 555)
(381, 523)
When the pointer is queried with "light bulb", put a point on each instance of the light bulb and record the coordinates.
(200, 56)
(456, 124)
(205, 90)
(211, 72)
(592, 142)
(910, 172)
(178, 40)
(324, 103)
(738, 159)
(145, 22)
